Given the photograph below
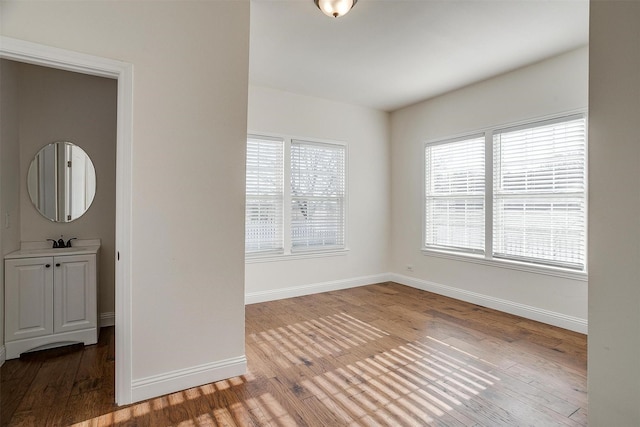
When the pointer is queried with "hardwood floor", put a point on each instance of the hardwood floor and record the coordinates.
(381, 354)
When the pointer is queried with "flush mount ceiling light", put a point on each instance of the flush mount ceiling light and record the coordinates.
(335, 8)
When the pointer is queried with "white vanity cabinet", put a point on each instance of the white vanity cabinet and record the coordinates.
(50, 298)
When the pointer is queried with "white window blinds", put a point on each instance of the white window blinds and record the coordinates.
(539, 193)
(317, 195)
(454, 195)
(264, 195)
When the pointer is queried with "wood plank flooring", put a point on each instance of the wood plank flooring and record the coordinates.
(378, 355)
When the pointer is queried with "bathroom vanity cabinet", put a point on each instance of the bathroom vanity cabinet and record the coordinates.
(50, 298)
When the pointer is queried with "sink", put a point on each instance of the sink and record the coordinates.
(71, 249)
(52, 251)
(38, 252)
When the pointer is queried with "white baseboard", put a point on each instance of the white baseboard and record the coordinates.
(107, 319)
(541, 315)
(529, 312)
(315, 288)
(182, 379)
(3, 355)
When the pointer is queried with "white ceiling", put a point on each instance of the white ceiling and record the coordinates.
(387, 54)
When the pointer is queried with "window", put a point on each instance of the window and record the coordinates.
(534, 205)
(264, 195)
(539, 201)
(454, 194)
(317, 195)
(307, 214)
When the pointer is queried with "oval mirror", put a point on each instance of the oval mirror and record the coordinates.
(61, 181)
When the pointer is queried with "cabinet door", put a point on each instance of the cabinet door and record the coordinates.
(74, 293)
(28, 298)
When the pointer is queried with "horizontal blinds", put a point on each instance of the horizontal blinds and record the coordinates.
(539, 193)
(454, 195)
(264, 195)
(317, 195)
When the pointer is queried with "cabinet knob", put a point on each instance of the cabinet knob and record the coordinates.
(47, 265)
(57, 264)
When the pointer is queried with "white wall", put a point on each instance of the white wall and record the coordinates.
(58, 105)
(553, 86)
(366, 133)
(614, 214)
(9, 169)
(190, 70)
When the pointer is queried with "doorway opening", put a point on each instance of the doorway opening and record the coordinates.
(60, 59)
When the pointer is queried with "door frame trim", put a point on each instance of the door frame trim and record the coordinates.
(52, 57)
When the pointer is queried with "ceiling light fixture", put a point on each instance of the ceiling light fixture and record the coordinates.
(335, 8)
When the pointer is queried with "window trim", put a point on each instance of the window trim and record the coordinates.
(288, 253)
(272, 257)
(487, 257)
(528, 267)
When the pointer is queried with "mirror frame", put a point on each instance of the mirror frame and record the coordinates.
(59, 191)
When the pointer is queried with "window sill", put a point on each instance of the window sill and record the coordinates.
(251, 259)
(513, 265)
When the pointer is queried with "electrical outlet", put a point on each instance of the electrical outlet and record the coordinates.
(7, 222)
(409, 267)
